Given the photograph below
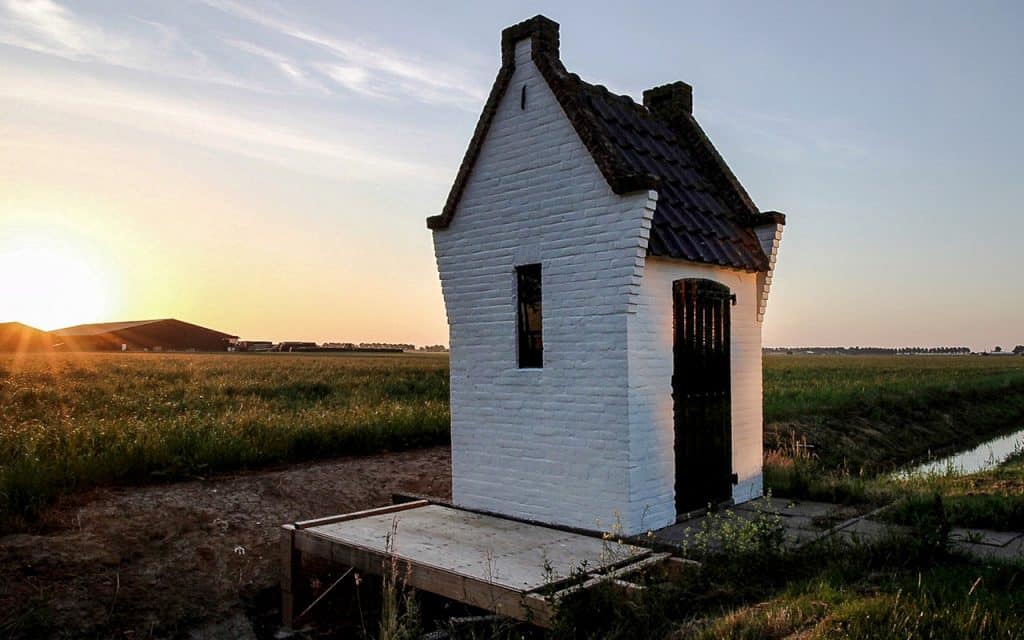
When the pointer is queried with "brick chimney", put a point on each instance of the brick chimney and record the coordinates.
(669, 100)
(543, 32)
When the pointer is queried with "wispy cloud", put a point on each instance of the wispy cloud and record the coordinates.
(287, 66)
(368, 69)
(353, 78)
(222, 127)
(308, 58)
(44, 26)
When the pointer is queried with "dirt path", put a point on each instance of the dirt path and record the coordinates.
(162, 560)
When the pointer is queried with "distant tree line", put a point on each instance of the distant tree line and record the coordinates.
(933, 350)
(870, 351)
(387, 345)
(299, 346)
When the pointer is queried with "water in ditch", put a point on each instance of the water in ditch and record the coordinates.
(981, 458)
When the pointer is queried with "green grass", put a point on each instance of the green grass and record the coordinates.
(799, 385)
(877, 413)
(72, 421)
(874, 593)
(900, 588)
(873, 413)
(77, 420)
(992, 499)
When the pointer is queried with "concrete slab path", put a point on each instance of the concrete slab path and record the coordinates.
(805, 521)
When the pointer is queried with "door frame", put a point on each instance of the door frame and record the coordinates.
(702, 393)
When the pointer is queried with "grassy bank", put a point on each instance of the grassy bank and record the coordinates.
(751, 587)
(869, 414)
(889, 412)
(992, 499)
(76, 420)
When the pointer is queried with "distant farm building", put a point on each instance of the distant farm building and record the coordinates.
(254, 345)
(340, 347)
(18, 337)
(144, 335)
(295, 345)
(348, 346)
(605, 277)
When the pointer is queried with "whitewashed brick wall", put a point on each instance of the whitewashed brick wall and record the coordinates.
(652, 457)
(586, 440)
(548, 444)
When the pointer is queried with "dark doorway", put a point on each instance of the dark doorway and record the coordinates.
(700, 393)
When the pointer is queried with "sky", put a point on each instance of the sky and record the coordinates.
(265, 169)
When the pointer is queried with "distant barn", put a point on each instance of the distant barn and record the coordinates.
(144, 335)
(15, 336)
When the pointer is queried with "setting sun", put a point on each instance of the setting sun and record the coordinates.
(49, 283)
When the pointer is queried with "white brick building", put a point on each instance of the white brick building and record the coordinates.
(605, 278)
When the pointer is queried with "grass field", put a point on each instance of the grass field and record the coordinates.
(800, 385)
(71, 421)
(75, 420)
(870, 414)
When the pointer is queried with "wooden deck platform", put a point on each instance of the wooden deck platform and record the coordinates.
(508, 567)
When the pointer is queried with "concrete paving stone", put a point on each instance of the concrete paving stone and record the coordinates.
(808, 509)
(871, 530)
(1013, 551)
(799, 537)
(985, 536)
(797, 529)
(822, 514)
(805, 521)
(676, 534)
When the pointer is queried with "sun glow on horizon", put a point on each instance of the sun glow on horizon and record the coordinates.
(48, 282)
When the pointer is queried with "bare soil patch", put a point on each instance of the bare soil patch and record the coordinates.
(167, 560)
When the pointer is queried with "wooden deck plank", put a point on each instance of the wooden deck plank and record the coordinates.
(290, 565)
(447, 583)
(355, 515)
(488, 549)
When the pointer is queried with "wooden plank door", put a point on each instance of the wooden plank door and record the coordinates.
(700, 393)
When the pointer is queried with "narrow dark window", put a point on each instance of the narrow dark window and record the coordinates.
(531, 339)
(522, 98)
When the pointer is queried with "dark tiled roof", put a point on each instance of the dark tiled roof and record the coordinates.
(694, 219)
(18, 337)
(703, 213)
(101, 328)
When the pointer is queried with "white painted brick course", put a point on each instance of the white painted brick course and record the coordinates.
(769, 235)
